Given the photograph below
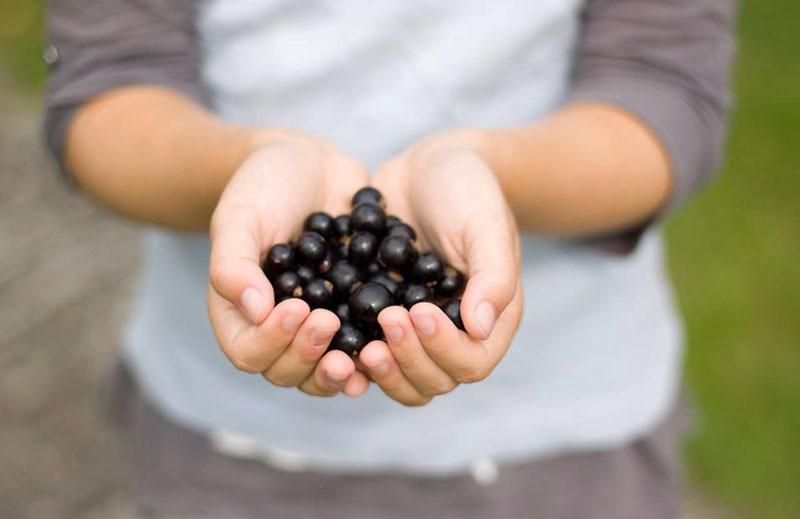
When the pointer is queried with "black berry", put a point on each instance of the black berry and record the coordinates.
(401, 229)
(280, 258)
(342, 225)
(325, 265)
(367, 301)
(288, 284)
(392, 220)
(311, 248)
(373, 269)
(363, 248)
(413, 294)
(452, 309)
(318, 293)
(348, 339)
(367, 195)
(428, 268)
(342, 311)
(342, 250)
(385, 279)
(368, 217)
(344, 276)
(450, 284)
(305, 274)
(397, 253)
(320, 223)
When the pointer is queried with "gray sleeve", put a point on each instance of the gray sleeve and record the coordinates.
(105, 45)
(668, 63)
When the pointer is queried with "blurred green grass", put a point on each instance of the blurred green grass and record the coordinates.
(734, 255)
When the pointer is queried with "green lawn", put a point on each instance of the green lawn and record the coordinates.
(735, 257)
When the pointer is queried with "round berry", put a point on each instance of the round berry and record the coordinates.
(368, 217)
(305, 274)
(397, 253)
(342, 311)
(401, 229)
(452, 309)
(348, 339)
(311, 248)
(318, 293)
(387, 281)
(367, 301)
(342, 226)
(367, 195)
(342, 250)
(451, 283)
(373, 269)
(363, 248)
(325, 265)
(288, 284)
(392, 220)
(428, 268)
(344, 277)
(413, 294)
(320, 223)
(280, 258)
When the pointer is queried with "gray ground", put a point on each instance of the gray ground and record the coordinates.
(66, 271)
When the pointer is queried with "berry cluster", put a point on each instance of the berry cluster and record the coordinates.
(356, 265)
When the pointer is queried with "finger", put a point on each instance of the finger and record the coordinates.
(330, 375)
(254, 348)
(377, 358)
(297, 361)
(356, 385)
(412, 359)
(493, 272)
(235, 265)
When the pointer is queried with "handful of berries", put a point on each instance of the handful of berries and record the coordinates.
(356, 265)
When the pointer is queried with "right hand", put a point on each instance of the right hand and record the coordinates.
(265, 202)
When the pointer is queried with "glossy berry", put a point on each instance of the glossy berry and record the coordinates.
(342, 250)
(342, 311)
(397, 253)
(325, 265)
(401, 229)
(280, 258)
(413, 294)
(368, 217)
(373, 269)
(344, 276)
(452, 309)
(363, 248)
(305, 274)
(372, 332)
(451, 283)
(318, 293)
(367, 195)
(387, 281)
(428, 268)
(367, 301)
(348, 339)
(288, 284)
(322, 224)
(311, 248)
(392, 220)
(342, 226)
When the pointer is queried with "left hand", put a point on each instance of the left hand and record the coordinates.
(445, 190)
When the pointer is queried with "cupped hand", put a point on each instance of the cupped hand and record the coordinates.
(445, 190)
(265, 202)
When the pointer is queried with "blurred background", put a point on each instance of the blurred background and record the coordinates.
(66, 270)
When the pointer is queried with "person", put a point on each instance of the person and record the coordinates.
(536, 145)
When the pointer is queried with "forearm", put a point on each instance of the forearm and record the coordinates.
(155, 156)
(587, 169)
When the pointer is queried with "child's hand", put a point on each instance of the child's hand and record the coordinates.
(444, 189)
(266, 202)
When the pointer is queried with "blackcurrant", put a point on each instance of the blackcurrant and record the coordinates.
(387, 281)
(373, 269)
(322, 224)
(342, 250)
(452, 309)
(363, 248)
(367, 301)
(428, 268)
(305, 274)
(397, 253)
(392, 220)
(413, 294)
(342, 311)
(344, 277)
(450, 284)
(325, 265)
(368, 217)
(368, 195)
(318, 293)
(288, 284)
(401, 229)
(348, 339)
(311, 248)
(342, 226)
(280, 258)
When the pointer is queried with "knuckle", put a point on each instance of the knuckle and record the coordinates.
(415, 401)
(218, 274)
(440, 388)
(279, 380)
(475, 373)
(243, 363)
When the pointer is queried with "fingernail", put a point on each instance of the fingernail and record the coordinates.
(380, 368)
(291, 322)
(424, 323)
(486, 317)
(394, 332)
(252, 303)
(320, 337)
